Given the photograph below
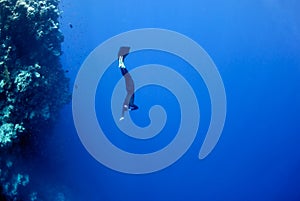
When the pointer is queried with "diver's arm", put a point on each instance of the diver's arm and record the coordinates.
(125, 108)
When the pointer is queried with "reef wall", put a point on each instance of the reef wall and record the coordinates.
(33, 85)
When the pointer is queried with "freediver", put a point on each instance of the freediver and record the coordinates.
(128, 104)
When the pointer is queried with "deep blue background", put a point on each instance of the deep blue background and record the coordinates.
(255, 45)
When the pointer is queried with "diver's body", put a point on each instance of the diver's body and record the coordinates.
(129, 99)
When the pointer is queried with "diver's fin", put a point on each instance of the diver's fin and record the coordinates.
(123, 51)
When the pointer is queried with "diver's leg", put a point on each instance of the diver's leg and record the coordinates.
(124, 71)
(131, 101)
(132, 106)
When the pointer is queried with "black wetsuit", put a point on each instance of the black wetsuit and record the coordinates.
(129, 99)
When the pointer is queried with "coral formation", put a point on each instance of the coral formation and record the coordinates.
(33, 85)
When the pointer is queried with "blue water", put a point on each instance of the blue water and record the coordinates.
(255, 46)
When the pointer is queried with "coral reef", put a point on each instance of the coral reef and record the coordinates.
(33, 85)
(11, 182)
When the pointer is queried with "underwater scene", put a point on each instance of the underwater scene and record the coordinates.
(136, 100)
